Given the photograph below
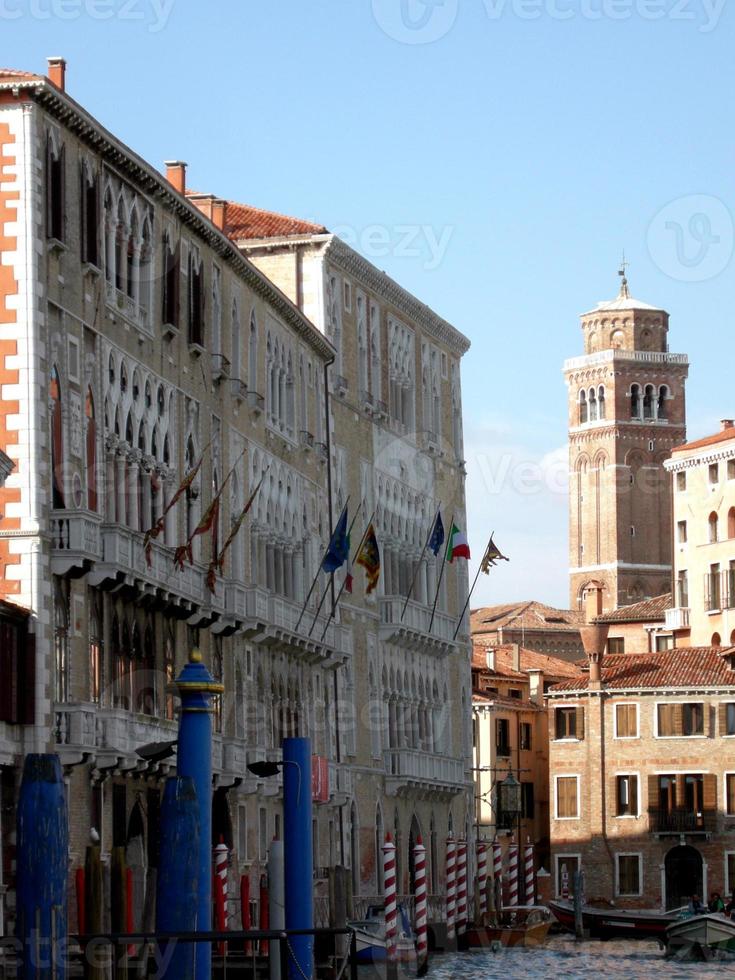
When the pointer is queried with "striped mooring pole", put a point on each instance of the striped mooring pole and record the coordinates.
(391, 907)
(461, 884)
(498, 867)
(422, 942)
(451, 885)
(513, 873)
(530, 876)
(482, 875)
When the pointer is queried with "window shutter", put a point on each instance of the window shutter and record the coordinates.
(709, 794)
(557, 723)
(678, 719)
(722, 719)
(633, 794)
(653, 794)
(580, 722)
(615, 799)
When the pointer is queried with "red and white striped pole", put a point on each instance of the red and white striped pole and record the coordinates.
(482, 875)
(513, 872)
(391, 906)
(422, 942)
(221, 855)
(461, 884)
(530, 876)
(451, 885)
(498, 866)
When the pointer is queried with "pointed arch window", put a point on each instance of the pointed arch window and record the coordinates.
(55, 204)
(61, 641)
(57, 442)
(169, 670)
(196, 298)
(236, 342)
(171, 278)
(89, 217)
(95, 647)
(663, 396)
(601, 402)
(253, 354)
(91, 448)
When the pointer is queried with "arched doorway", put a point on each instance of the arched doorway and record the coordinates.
(684, 878)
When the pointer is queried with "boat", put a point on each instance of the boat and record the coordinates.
(522, 925)
(370, 937)
(612, 923)
(701, 937)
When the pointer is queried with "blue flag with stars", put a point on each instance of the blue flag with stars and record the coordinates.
(339, 546)
(437, 535)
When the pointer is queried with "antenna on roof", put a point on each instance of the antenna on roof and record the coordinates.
(624, 294)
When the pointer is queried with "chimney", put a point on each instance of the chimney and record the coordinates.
(515, 657)
(594, 639)
(727, 424)
(176, 175)
(592, 602)
(536, 685)
(57, 72)
(490, 658)
(219, 214)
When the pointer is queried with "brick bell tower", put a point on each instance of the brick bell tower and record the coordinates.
(626, 398)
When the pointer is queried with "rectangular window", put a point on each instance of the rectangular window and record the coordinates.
(681, 481)
(730, 794)
(714, 472)
(514, 693)
(502, 736)
(616, 644)
(629, 874)
(713, 588)
(731, 469)
(667, 719)
(348, 296)
(693, 719)
(526, 735)
(682, 589)
(626, 721)
(569, 723)
(729, 872)
(727, 718)
(567, 804)
(527, 801)
(626, 796)
(681, 532)
(664, 642)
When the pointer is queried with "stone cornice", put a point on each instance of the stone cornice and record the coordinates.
(70, 114)
(709, 454)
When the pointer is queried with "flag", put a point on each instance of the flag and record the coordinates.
(205, 524)
(437, 535)
(492, 555)
(153, 532)
(218, 561)
(369, 557)
(339, 546)
(348, 570)
(457, 547)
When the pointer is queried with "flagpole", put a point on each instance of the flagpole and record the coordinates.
(469, 597)
(421, 558)
(313, 584)
(441, 573)
(339, 595)
(335, 601)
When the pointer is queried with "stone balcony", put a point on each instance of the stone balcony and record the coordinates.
(76, 542)
(413, 629)
(411, 769)
(106, 737)
(677, 618)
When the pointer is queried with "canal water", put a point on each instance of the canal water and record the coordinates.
(561, 958)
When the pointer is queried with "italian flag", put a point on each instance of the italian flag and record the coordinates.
(458, 547)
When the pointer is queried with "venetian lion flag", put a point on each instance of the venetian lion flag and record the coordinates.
(369, 557)
(458, 546)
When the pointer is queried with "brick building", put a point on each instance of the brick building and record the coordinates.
(137, 343)
(642, 780)
(627, 411)
(532, 625)
(703, 474)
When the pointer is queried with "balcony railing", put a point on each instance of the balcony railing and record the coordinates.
(75, 541)
(677, 618)
(84, 727)
(415, 621)
(642, 357)
(412, 766)
(680, 820)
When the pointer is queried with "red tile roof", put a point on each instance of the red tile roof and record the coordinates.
(649, 610)
(503, 701)
(723, 436)
(528, 660)
(680, 668)
(528, 615)
(15, 73)
(244, 221)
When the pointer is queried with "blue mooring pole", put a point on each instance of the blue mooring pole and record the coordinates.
(196, 687)
(178, 876)
(298, 859)
(42, 867)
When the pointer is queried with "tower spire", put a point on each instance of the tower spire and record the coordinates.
(624, 293)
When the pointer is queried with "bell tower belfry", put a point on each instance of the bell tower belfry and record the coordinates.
(626, 401)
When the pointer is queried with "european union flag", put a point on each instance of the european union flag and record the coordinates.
(339, 546)
(437, 535)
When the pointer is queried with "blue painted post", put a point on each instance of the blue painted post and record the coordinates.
(297, 848)
(42, 867)
(196, 687)
(178, 875)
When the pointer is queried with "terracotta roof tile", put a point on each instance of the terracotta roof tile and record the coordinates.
(649, 610)
(503, 701)
(528, 660)
(15, 73)
(245, 221)
(725, 435)
(529, 615)
(681, 667)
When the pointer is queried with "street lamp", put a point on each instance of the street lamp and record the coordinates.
(509, 797)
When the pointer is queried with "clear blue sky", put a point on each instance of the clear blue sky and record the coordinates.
(532, 149)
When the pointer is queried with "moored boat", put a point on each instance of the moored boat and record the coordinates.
(701, 937)
(611, 923)
(514, 926)
(370, 937)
